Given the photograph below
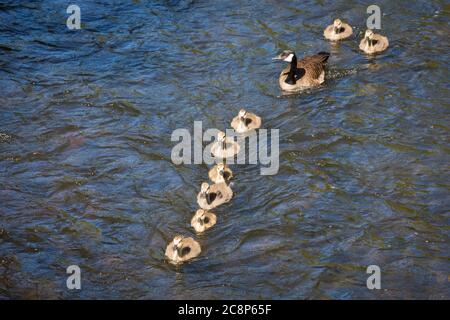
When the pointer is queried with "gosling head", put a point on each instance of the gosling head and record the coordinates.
(242, 114)
(221, 138)
(368, 35)
(201, 217)
(178, 243)
(204, 189)
(286, 55)
(220, 168)
(337, 23)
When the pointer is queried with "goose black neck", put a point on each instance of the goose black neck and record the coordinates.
(292, 71)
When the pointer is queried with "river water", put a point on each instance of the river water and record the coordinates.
(86, 176)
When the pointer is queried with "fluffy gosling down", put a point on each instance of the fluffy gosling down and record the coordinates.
(203, 220)
(212, 196)
(373, 43)
(182, 249)
(220, 173)
(224, 147)
(245, 121)
(338, 31)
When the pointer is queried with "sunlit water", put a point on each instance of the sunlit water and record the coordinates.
(86, 176)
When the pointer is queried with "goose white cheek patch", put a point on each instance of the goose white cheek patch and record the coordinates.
(289, 58)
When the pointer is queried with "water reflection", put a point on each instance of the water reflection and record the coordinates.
(86, 176)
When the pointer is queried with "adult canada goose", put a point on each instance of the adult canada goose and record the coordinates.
(220, 173)
(308, 72)
(203, 220)
(182, 249)
(224, 147)
(373, 43)
(213, 196)
(338, 31)
(245, 121)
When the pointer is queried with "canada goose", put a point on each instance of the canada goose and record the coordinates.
(337, 31)
(203, 220)
(308, 72)
(213, 196)
(373, 43)
(182, 249)
(220, 173)
(245, 121)
(224, 147)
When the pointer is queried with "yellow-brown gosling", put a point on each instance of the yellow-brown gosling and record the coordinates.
(220, 173)
(212, 196)
(182, 249)
(245, 121)
(224, 147)
(203, 220)
(373, 43)
(302, 74)
(338, 31)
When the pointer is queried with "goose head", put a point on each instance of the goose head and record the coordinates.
(286, 55)
(337, 25)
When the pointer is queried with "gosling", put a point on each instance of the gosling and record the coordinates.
(203, 220)
(211, 197)
(245, 121)
(338, 31)
(373, 43)
(182, 249)
(220, 173)
(224, 147)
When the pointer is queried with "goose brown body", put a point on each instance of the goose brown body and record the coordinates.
(304, 73)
